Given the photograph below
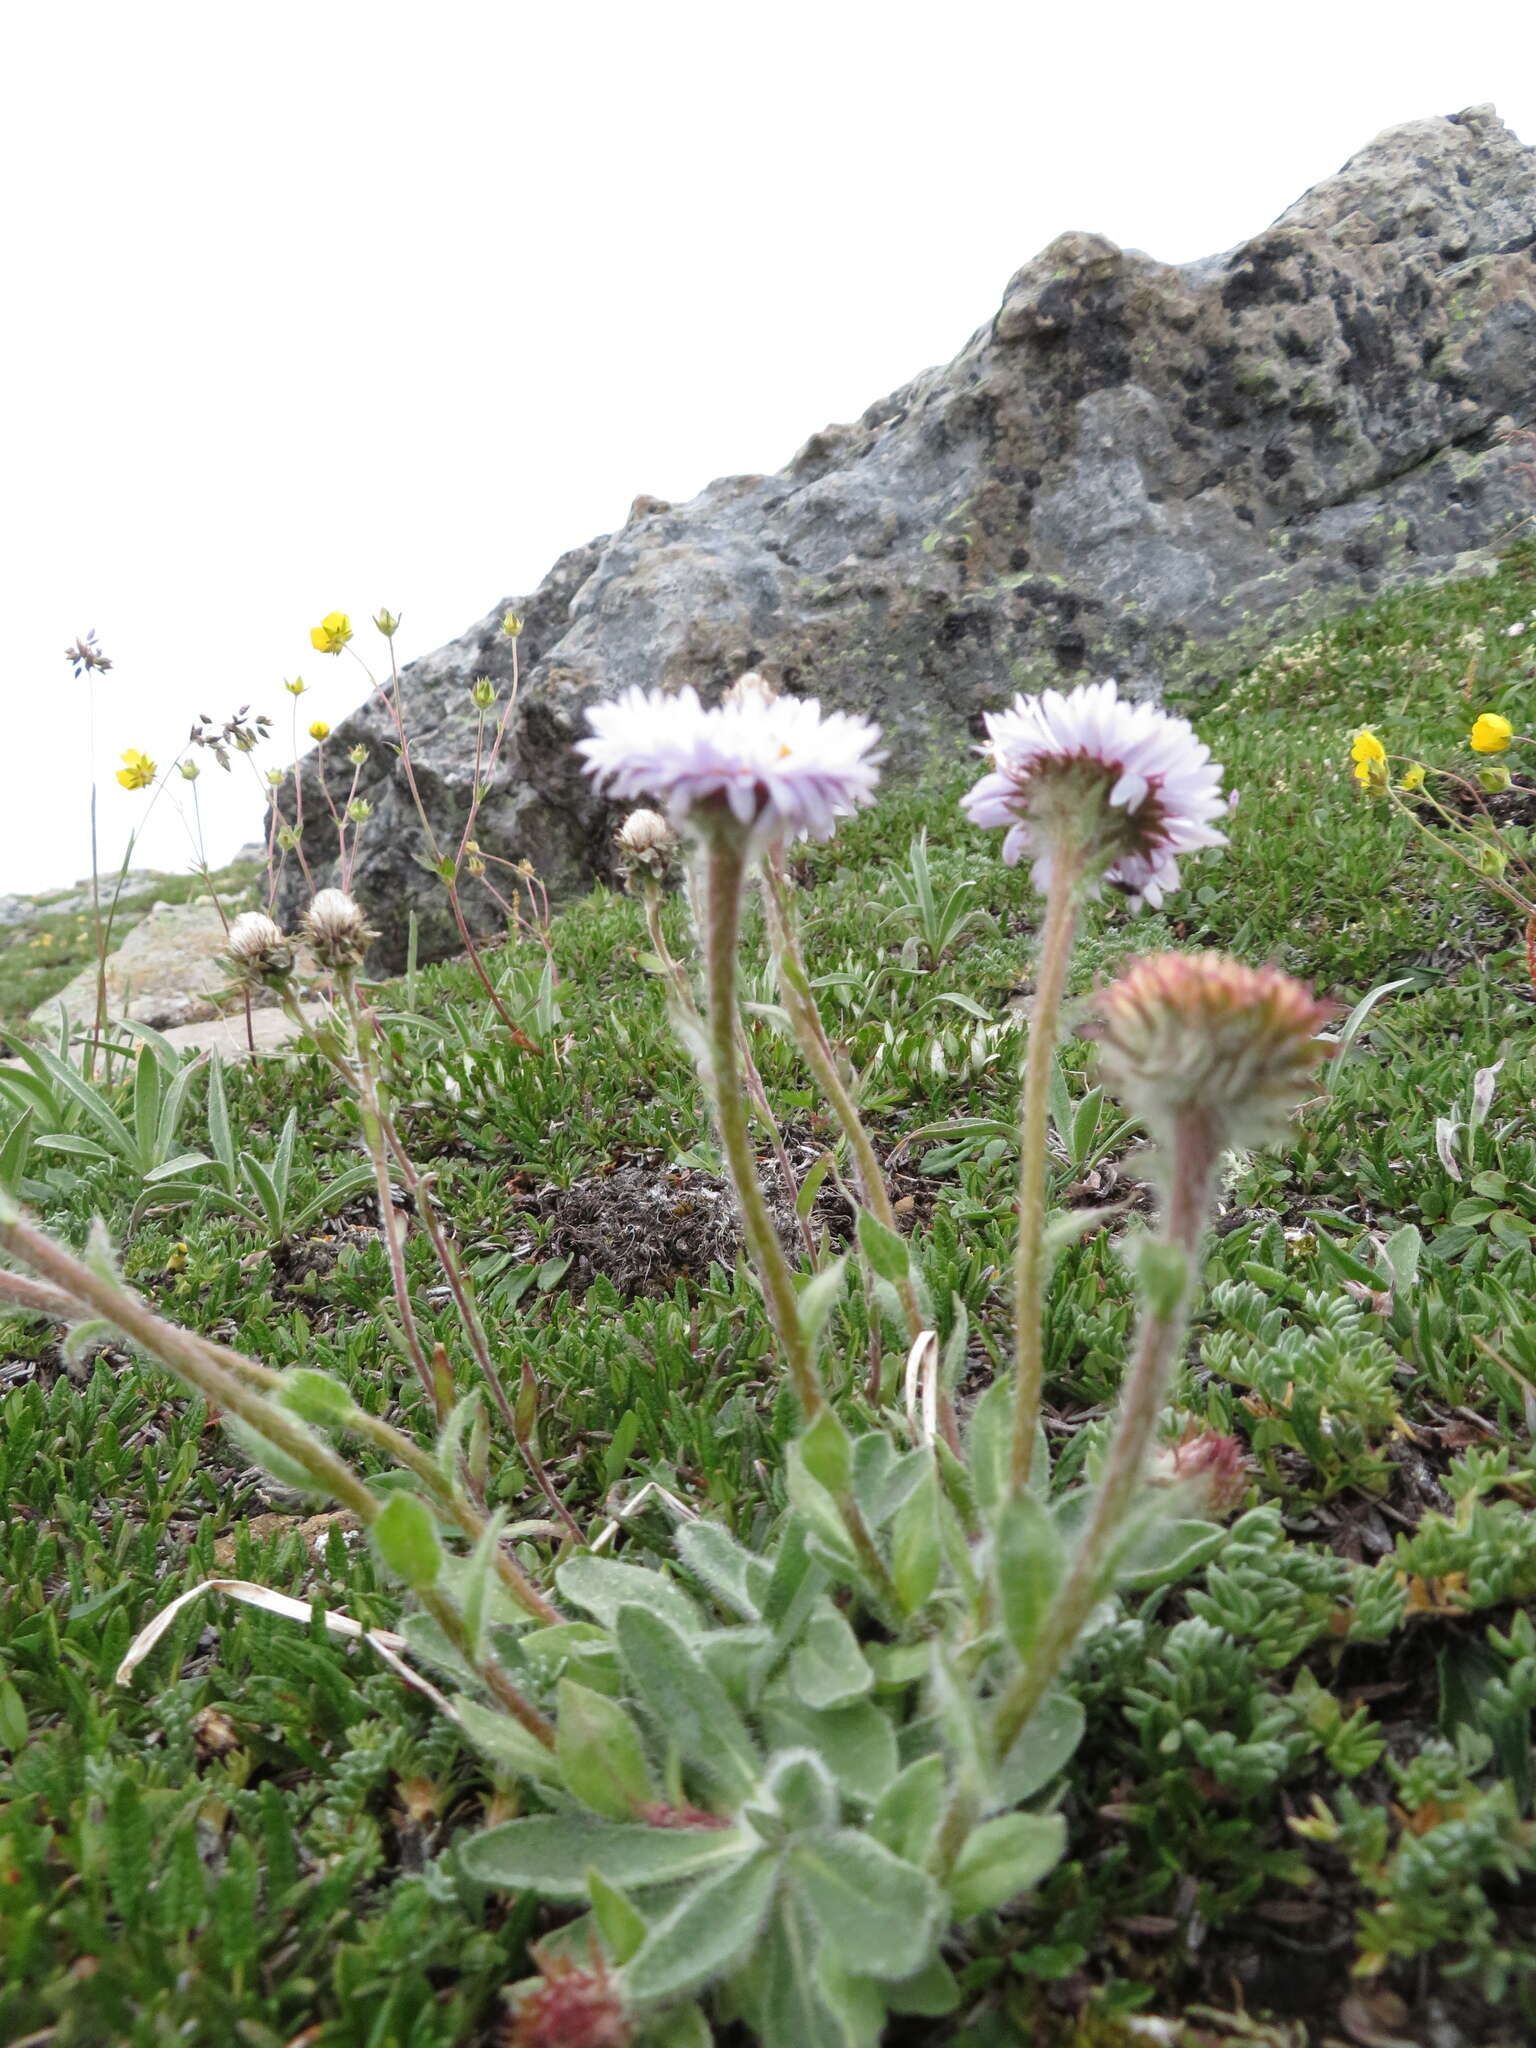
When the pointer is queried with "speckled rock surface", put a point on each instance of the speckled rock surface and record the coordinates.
(164, 972)
(1134, 469)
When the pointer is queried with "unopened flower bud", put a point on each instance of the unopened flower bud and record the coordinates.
(511, 624)
(482, 693)
(1212, 1466)
(571, 2006)
(1490, 861)
(1495, 778)
(276, 777)
(387, 624)
(297, 687)
(189, 770)
(1202, 1033)
(319, 730)
(257, 950)
(288, 837)
(337, 930)
(359, 811)
(358, 755)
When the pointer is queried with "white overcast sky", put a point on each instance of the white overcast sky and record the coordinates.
(338, 305)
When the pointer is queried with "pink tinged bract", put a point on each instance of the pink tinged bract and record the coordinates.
(1160, 790)
(782, 765)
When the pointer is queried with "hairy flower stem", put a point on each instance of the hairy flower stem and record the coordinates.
(199, 1365)
(681, 993)
(1160, 1335)
(816, 1050)
(1029, 1263)
(724, 875)
(725, 872)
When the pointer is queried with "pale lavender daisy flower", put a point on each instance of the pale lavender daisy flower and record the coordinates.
(1130, 786)
(779, 765)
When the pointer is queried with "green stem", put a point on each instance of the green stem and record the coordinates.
(1061, 906)
(682, 995)
(1160, 1337)
(725, 872)
(724, 875)
(366, 1086)
(816, 1050)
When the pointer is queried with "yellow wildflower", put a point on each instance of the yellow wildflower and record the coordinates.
(319, 730)
(1369, 757)
(137, 771)
(1491, 733)
(332, 633)
(1413, 778)
(298, 686)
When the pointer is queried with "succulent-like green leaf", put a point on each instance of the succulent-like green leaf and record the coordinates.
(828, 1669)
(620, 1923)
(601, 1585)
(907, 1817)
(551, 1853)
(601, 1758)
(1030, 1561)
(876, 1913)
(689, 1702)
(1004, 1857)
(706, 1933)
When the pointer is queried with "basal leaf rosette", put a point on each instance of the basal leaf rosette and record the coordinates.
(1118, 789)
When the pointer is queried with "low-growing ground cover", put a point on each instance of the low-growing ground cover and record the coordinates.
(1303, 1806)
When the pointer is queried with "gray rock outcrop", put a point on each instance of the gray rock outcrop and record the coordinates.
(1135, 469)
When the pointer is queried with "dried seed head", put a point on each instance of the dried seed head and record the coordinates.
(337, 930)
(645, 843)
(750, 689)
(1201, 1032)
(258, 952)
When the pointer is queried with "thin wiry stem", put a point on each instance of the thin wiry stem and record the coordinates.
(816, 1049)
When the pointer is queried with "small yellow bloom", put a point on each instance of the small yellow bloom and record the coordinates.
(332, 633)
(298, 686)
(137, 771)
(1413, 778)
(1491, 733)
(1369, 757)
(319, 730)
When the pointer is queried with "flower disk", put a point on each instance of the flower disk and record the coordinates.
(1201, 1032)
(1128, 787)
(777, 766)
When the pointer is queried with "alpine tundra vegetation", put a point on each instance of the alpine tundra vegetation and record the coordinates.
(733, 1524)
